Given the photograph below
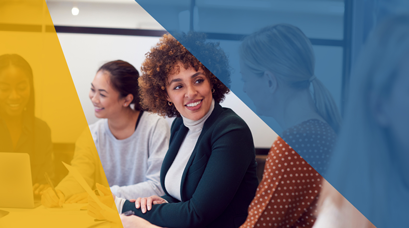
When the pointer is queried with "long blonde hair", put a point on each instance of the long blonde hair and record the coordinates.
(285, 51)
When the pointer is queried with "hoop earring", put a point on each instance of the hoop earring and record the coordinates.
(169, 103)
(213, 90)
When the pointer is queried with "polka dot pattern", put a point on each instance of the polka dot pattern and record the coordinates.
(313, 140)
(288, 193)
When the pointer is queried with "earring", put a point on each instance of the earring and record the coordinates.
(213, 90)
(125, 104)
(169, 103)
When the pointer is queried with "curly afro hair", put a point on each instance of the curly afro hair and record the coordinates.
(162, 59)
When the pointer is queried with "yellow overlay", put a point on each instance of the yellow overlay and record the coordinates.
(41, 115)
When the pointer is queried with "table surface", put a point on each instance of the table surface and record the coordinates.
(70, 216)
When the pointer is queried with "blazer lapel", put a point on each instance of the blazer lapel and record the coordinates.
(173, 150)
(209, 122)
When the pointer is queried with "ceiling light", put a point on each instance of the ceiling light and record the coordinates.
(75, 11)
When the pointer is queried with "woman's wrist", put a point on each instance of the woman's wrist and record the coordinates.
(119, 203)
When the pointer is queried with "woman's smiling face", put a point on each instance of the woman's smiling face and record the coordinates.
(14, 90)
(106, 100)
(190, 91)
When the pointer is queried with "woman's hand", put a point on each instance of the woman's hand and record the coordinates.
(49, 199)
(135, 222)
(39, 189)
(146, 203)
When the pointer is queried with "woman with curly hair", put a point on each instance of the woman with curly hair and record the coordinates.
(209, 172)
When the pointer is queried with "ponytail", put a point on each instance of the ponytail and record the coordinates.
(326, 105)
(284, 50)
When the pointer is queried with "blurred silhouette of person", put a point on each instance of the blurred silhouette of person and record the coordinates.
(20, 130)
(277, 67)
(370, 163)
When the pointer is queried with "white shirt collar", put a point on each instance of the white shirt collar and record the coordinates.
(195, 125)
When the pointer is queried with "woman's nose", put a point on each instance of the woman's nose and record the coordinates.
(191, 92)
(14, 95)
(94, 98)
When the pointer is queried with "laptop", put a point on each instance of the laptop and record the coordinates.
(16, 187)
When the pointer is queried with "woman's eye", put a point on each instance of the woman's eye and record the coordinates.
(22, 88)
(102, 95)
(93, 90)
(198, 81)
(4, 88)
(177, 87)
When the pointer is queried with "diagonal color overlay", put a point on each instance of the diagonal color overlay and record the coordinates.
(279, 70)
(41, 119)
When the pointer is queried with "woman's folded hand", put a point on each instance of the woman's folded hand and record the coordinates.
(145, 204)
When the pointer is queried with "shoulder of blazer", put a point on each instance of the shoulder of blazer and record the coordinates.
(175, 127)
(220, 121)
(176, 123)
(224, 119)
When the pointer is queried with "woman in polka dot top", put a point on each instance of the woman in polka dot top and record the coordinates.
(277, 66)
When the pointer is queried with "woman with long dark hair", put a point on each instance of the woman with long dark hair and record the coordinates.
(130, 142)
(20, 130)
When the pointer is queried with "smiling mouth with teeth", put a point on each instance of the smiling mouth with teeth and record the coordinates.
(194, 104)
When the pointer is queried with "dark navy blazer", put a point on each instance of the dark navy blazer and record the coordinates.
(219, 181)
